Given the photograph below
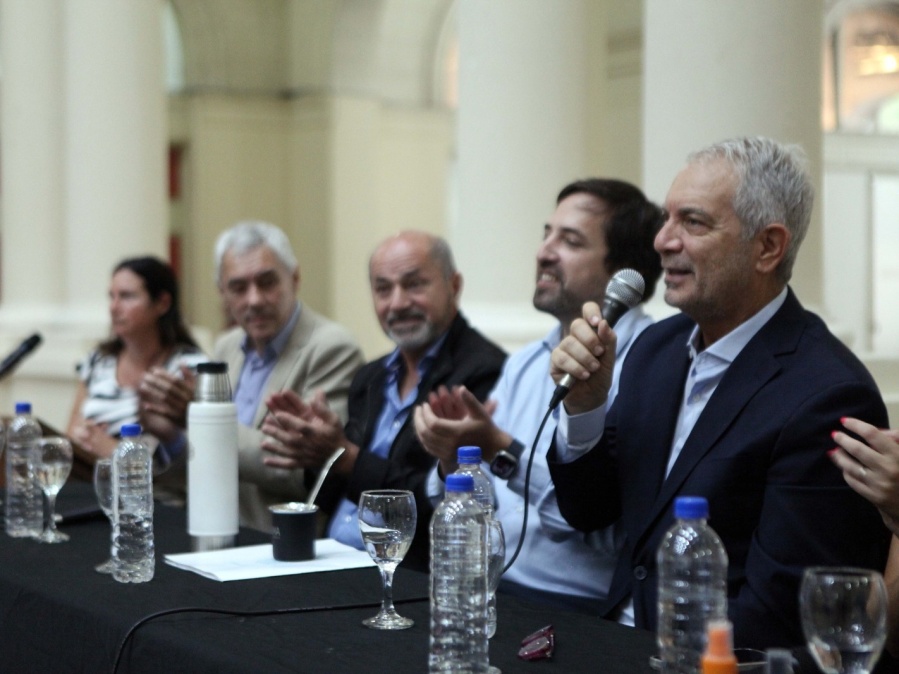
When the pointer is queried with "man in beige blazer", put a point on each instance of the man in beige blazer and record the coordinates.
(277, 344)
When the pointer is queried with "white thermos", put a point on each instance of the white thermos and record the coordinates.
(212, 496)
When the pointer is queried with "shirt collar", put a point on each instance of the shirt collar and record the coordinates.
(276, 346)
(729, 347)
(394, 361)
(553, 338)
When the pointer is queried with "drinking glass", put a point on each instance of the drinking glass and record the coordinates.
(103, 490)
(387, 523)
(52, 458)
(843, 617)
(496, 560)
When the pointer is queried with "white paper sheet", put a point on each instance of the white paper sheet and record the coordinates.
(256, 561)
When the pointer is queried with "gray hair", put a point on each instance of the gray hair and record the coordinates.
(773, 185)
(248, 235)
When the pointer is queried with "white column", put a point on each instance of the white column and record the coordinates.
(715, 69)
(522, 136)
(115, 164)
(83, 176)
(33, 255)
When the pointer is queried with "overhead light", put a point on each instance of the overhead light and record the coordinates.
(877, 53)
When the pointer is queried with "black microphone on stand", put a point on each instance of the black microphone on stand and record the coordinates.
(9, 363)
(624, 292)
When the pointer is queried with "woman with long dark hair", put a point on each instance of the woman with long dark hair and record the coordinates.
(147, 332)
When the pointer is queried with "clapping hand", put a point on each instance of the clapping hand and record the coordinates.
(451, 419)
(300, 434)
(163, 399)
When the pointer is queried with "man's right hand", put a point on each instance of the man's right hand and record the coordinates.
(452, 419)
(301, 434)
(163, 399)
(588, 355)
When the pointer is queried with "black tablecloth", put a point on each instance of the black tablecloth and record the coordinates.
(57, 614)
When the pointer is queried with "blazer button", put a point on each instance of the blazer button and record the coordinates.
(640, 572)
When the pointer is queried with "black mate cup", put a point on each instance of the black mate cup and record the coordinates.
(293, 531)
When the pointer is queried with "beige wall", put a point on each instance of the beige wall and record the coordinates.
(338, 174)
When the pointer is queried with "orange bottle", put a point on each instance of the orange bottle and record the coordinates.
(719, 655)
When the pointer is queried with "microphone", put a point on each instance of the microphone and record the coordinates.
(26, 347)
(624, 292)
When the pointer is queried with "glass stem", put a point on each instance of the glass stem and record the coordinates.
(387, 579)
(51, 506)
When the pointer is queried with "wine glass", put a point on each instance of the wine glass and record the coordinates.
(387, 523)
(843, 617)
(103, 490)
(52, 458)
(496, 560)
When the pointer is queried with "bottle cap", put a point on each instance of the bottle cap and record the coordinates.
(459, 483)
(130, 430)
(691, 507)
(469, 454)
(719, 656)
(23, 408)
(212, 367)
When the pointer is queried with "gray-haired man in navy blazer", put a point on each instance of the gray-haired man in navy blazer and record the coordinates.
(734, 399)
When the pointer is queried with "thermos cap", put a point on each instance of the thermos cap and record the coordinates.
(213, 385)
(212, 367)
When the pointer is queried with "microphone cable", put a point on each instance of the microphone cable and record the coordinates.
(623, 292)
(527, 489)
(243, 614)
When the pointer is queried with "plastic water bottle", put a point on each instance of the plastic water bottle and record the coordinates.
(692, 585)
(458, 582)
(469, 460)
(133, 551)
(24, 501)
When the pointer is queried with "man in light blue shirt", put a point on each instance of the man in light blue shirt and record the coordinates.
(599, 226)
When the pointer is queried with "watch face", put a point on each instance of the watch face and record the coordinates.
(503, 465)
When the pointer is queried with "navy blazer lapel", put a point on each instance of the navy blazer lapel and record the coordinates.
(648, 431)
(751, 370)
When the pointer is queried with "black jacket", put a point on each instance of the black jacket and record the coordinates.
(466, 357)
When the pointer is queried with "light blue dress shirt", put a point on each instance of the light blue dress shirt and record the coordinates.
(554, 558)
(344, 526)
(576, 434)
(258, 368)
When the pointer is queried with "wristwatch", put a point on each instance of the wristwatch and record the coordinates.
(505, 462)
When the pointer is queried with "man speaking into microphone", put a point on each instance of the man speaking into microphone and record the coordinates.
(599, 228)
(734, 400)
